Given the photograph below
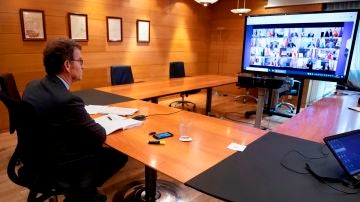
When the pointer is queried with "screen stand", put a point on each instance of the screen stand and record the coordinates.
(299, 97)
(259, 107)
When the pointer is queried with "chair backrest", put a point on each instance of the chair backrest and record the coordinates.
(21, 120)
(26, 166)
(121, 74)
(177, 69)
(8, 86)
(9, 89)
(13, 107)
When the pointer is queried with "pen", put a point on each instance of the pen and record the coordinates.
(109, 118)
(157, 142)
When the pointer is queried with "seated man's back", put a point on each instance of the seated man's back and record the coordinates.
(69, 141)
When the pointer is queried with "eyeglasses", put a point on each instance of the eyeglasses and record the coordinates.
(81, 61)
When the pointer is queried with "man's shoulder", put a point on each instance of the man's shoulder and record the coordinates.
(52, 88)
(46, 81)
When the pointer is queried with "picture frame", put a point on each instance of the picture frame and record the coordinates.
(78, 26)
(143, 31)
(114, 29)
(32, 25)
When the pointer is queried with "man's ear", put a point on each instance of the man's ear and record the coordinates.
(67, 65)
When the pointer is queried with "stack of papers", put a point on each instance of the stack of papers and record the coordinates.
(100, 109)
(112, 123)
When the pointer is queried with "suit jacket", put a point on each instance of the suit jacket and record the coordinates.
(67, 135)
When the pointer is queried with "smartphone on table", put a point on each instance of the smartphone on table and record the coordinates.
(163, 135)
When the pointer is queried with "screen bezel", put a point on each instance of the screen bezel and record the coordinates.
(314, 77)
(339, 136)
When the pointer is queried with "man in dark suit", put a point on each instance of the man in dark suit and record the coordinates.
(72, 144)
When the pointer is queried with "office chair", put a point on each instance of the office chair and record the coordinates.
(9, 88)
(121, 74)
(19, 164)
(293, 91)
(8, 85)
(177, 70)
(23, 169)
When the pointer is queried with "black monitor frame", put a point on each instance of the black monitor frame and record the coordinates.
(316, 74)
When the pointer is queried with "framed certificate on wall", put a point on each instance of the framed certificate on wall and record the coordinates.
(32, 25)
(143, 31)
(114, 29)
(78, 27)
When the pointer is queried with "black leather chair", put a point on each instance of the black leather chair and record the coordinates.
(23, 169)
(121, 74)
(9, 88)
(177, 70)
(8, 85)
(293, 91)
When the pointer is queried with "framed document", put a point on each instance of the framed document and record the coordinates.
(143, 31)
(78, 27)
(114, 29)
(32, 25)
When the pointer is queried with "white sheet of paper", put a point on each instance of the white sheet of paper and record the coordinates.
(100, 109)
(236, 147)
(112, 123)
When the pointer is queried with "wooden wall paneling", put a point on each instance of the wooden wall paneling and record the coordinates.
(9, 23)
(180, 30)
(56, 26)
(93, 77)
(177, 33)
(21, 62)
(150, 72)
(22, 78)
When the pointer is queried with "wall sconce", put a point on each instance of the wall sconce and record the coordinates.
(206, 2)
(240, 11)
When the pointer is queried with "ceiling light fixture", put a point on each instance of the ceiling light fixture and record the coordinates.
(240, 11)
(206, 2)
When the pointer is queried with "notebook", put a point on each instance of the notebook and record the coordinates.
(113, 122)
(346, 149)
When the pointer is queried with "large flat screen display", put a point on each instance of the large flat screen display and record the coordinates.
(307, 45)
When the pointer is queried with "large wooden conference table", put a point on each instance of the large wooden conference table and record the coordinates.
(185, 160)
(158, 88)
(179, 160)
(329, 116)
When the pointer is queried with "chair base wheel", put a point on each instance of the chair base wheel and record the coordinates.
(190, 106)
(245, 98)
(288, 107)
(135, 192)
